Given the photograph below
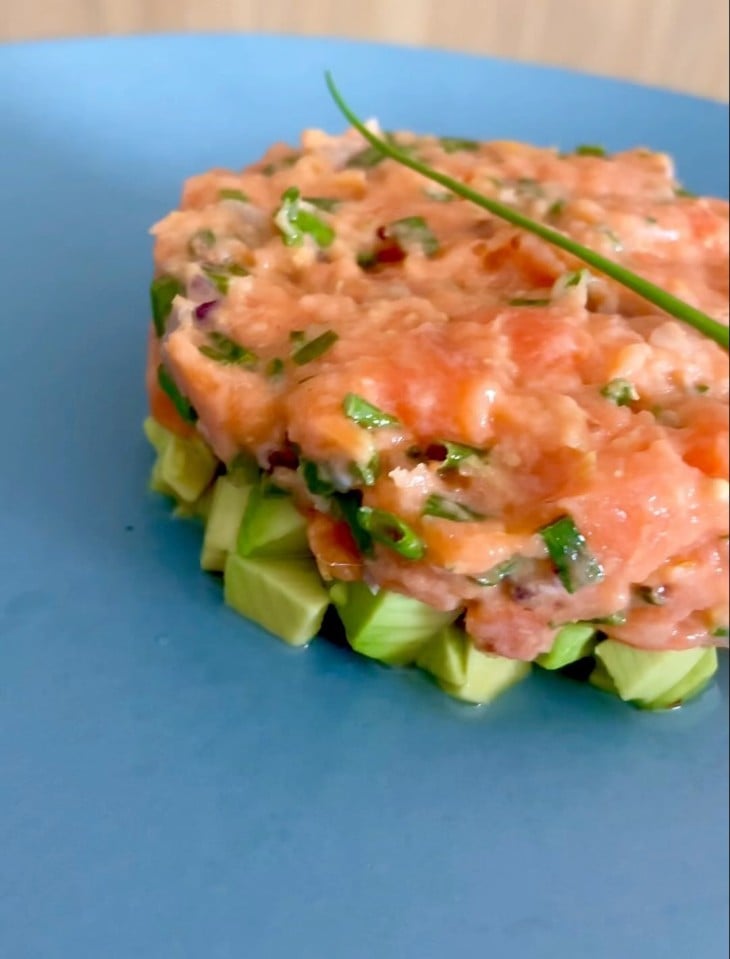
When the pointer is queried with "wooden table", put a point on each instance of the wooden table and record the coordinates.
(677, 43)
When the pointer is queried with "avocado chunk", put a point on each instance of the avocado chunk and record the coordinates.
(573, 641)
(156, 434)
(689, 686)
(646, 675)
(486, 676)
(601, 679)
(285, 596)
(186, 467)
(227, 507)
(272, 526)
(385, 625)
(445, 656)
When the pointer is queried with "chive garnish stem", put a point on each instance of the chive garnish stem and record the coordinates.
(654, 294)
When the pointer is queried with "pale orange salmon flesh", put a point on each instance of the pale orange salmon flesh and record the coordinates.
(367, 288)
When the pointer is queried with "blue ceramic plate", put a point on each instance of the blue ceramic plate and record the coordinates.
(175, 784)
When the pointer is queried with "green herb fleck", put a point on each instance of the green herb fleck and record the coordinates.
(445, 508)
(223, 349)
(495, 575)
(530, 187)
(283, 164)
(315, 348)
(721, 632)
(275, 367)
(702, 388)
(201, 241)
(220, 276)
(295, 221)
(230, 193)
(414, 231)
(348, 506)
(590, 150)
(530, 301)
(163, 291)
(613, 619)
(556, 209)
(568, 550)
(388, 529)
(181, 404)
(621, 392)
(439, 196)
(327, 203)
(683, 192)
(365, 414)
(366, 473)
(316, 478)
(457, 144)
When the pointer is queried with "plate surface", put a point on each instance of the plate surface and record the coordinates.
(177, 784)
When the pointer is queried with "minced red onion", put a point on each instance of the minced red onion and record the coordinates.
(203, 310)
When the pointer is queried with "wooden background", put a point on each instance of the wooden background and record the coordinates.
(677, 43)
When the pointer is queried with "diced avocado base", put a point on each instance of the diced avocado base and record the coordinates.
(184, 467)
(386, 626)
(285, 596)
(157, 435)
(486, 676)
(642, 675)
(227, 507)
(445, 656)
(573, 642)
(272, 526)
(690, 686)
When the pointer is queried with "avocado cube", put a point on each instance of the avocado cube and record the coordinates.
(646, 675)
(272, 526)
(227, 507)
(487, 676)
(574, 641)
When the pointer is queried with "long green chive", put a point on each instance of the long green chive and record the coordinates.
(163, 291)
(445, 508)
(365, 414)
(388, 529)
(181, 404)
(590, 150)
(315, 348)
(645, 288)
(530, 301)
(568, 550)
(224, 350)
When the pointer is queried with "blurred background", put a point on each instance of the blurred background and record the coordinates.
(681, 44)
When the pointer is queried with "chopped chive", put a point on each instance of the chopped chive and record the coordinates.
(366, 159)
(201, 241)
(649, 291)
(556, 209)
(683, 192)
(357, 409)
(316, 479)
(613, 237)
(295, 221)
(163, 291)
(621, 392)
(223, 349)
(366, 259)
(613, 619)
(283, 164)
(457, 144)
(367, 473)
(220, 276)
(275, 367)
(530, 187)
(315, 348)
(530, 301)
(456, 453)
(653, 595)
(326, 203)
(230, 193)
(721, 632)
(388, 529)
(439, 196)
(495, 575)
(568, 550)
(181, 404)
(348, 506)
(445, 508)
(702, 388)
(297, 337)
(574, 278)
(590, 150)
(414, 231)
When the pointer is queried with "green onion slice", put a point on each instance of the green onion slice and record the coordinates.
(314, 348)
(445, 508)
(163, 291)
(620, 391)
(365, 414)
(223, 349)
(568, 550)
(495, 575)
(660, 298)
(295, 220)
(181, 404)
(388, 529)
